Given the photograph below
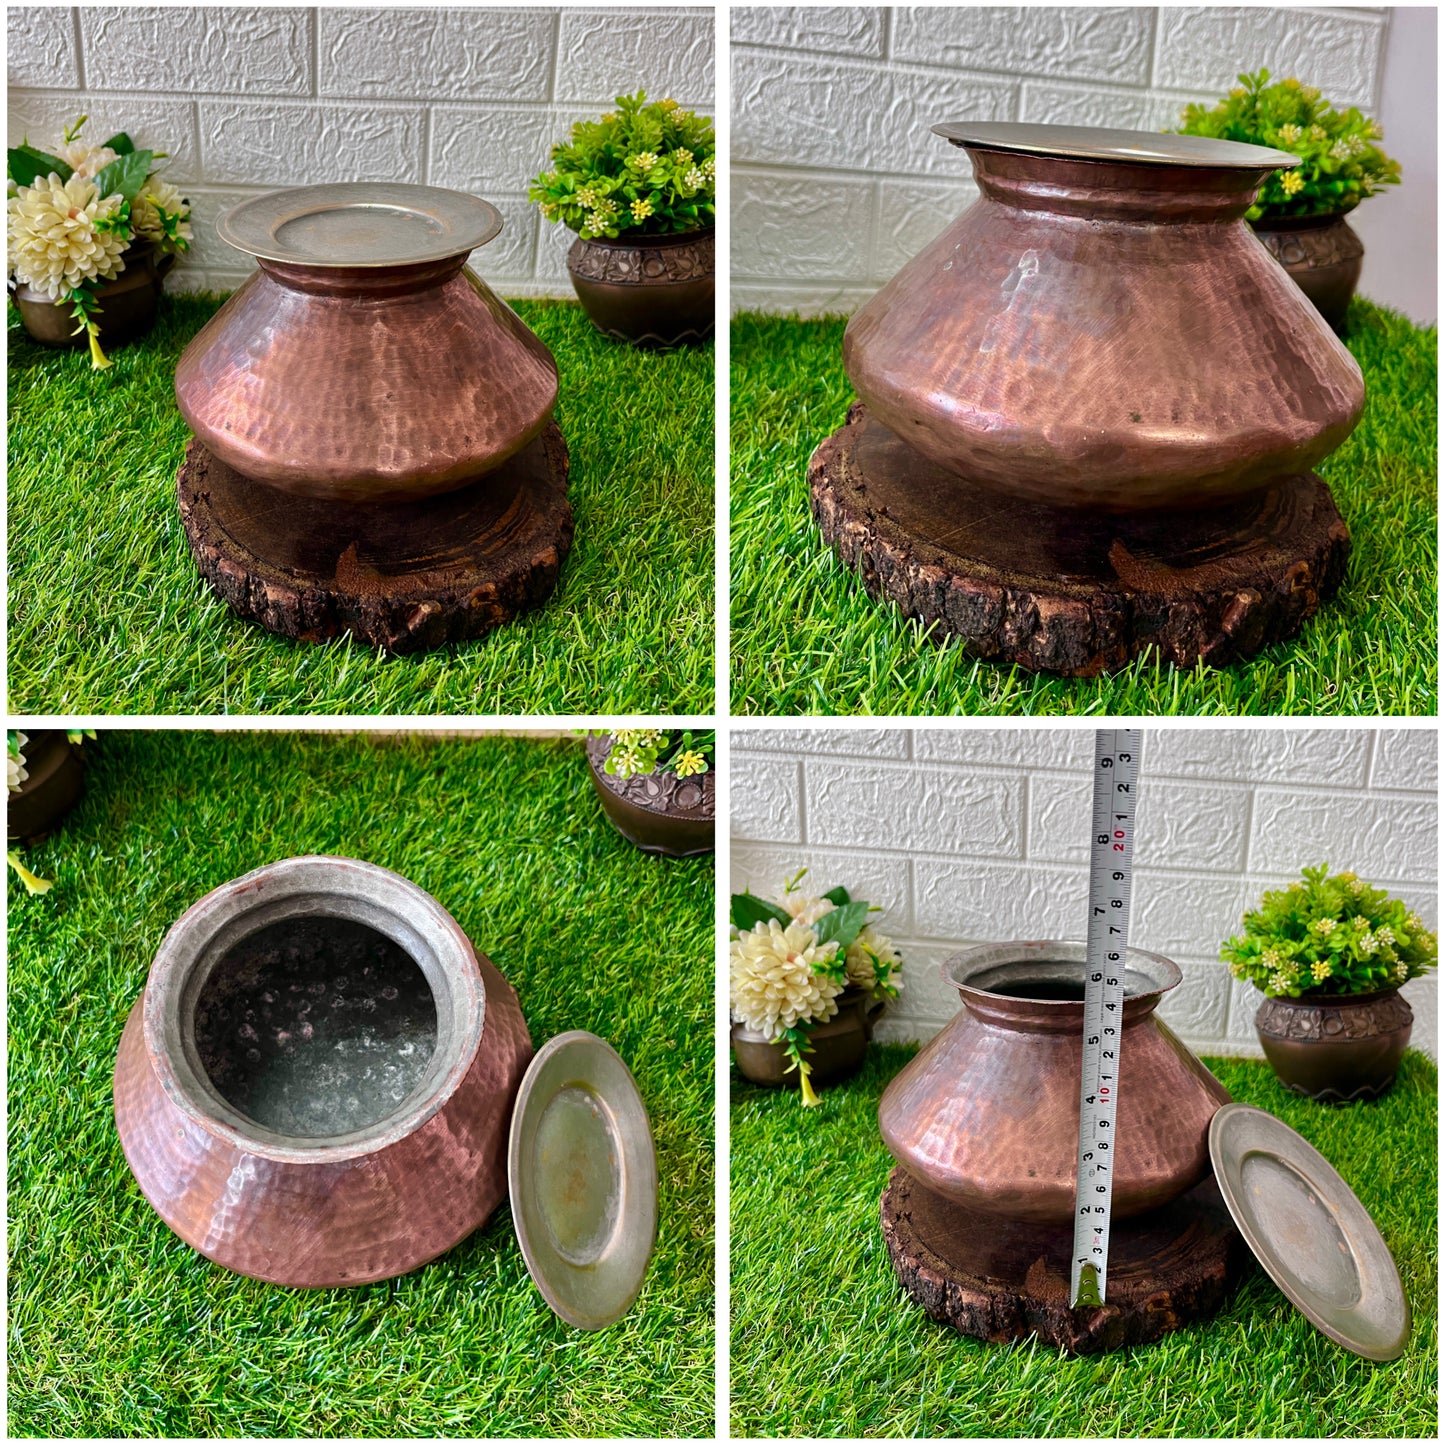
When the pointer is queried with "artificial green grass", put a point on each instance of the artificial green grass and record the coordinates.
(806, 638)
(108, 614)
(119, 1329)
(826, 1343)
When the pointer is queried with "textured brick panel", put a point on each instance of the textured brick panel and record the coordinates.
(253, 50)
(828, 742)
(882, 880)
(293, 145)
(1381, 839)
(1069, 749)
(1052, 104)
(480, 54)
(666, 53)
(1407, 758)
(1199, 1007)
(801, 227)
(1331, 758)
(208, 252)
(511, 256)
(766, 800)
(910, 214)
(40, 47)
(1205, 48)
(997, 902)
(168, 125)
(1084, 43)
(1244, 1002)
(843, 114)
(1181, 825)
(485, 151)
(1185, 916)
(840, 29)
(934, 810)
(807, 299)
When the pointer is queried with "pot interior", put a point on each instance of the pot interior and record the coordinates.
(315, 1027)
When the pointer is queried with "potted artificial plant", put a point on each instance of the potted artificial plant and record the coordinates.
(1300, 213)
(1329, 954)
(93, 229)
(638, 187)
(807, 979)
(657, 788)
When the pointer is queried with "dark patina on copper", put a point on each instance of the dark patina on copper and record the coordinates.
(1336, 1048)
(316, 1085)
(651, 291)
(657, 812)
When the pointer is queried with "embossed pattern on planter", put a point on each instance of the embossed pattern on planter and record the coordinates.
(623, 265)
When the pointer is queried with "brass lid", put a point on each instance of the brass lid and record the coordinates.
(583, 1178)
(1314, 1238)
(1093, 143)
(360, 223)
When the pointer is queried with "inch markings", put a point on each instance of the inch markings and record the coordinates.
(1111, 857)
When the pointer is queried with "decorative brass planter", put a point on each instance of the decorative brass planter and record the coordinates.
(651, 291)
(128, 304)
(839, 1046)
(656, 812)
(987, 1115)
(1102, 329)
(1323, 256)
(1336, 1048)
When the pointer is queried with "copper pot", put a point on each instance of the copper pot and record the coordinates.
(364, 361)
(988, 1113)
(315, 1087)
(1103, 329)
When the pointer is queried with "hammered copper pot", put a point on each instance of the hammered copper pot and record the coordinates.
(988, 1113)
(365, 361)
(1102, 328)
(1336, 1048)
(315, 1088)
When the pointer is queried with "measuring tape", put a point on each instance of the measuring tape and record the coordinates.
(1111, 857)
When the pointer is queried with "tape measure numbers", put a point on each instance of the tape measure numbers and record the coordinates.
(1111, 856)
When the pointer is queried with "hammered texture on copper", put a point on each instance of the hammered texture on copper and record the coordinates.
(1056, 590)
(317, 1225)
(366, 386)
(1104, 336)
(404, 577)
(987, 1114)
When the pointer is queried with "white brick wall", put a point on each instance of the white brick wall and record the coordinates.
(837, 180)
(978, 835)
(249, 99)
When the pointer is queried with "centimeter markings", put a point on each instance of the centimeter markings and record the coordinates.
(1111, 857)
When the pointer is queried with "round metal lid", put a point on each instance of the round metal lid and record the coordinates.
(1312, 1235)
(583, 1179)
(360, 223)
(1092, 143)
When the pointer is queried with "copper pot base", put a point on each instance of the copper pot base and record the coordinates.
(1001, 1281)
(407, 577)
(1070, 591)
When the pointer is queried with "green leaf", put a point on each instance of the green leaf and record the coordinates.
(26, 165)
(749, 911)
(121, 144)
(837, 896)
(125, 175)
(843, 924)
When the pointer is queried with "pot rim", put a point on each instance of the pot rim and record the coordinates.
(309, 887)
(1116, 146)
(971, 970)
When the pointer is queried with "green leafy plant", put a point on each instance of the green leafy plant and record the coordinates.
(647, 167)
(1340, 162)
(642, 751)
(1329, 935)
(792, 959)
(73, 217)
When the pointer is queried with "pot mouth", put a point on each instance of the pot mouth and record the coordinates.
(1130, 147)
(1046, 978)
(359, 224)
(313, 1010)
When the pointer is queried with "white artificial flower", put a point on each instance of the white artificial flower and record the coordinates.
(55, 243)
(772, 983)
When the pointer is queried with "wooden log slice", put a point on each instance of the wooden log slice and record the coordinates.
(404, 576)
(1002, 1281)
(1073, 592)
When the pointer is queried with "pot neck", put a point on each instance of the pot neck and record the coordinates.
(363, 281)
(1045, 1016)
(1161, 194)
